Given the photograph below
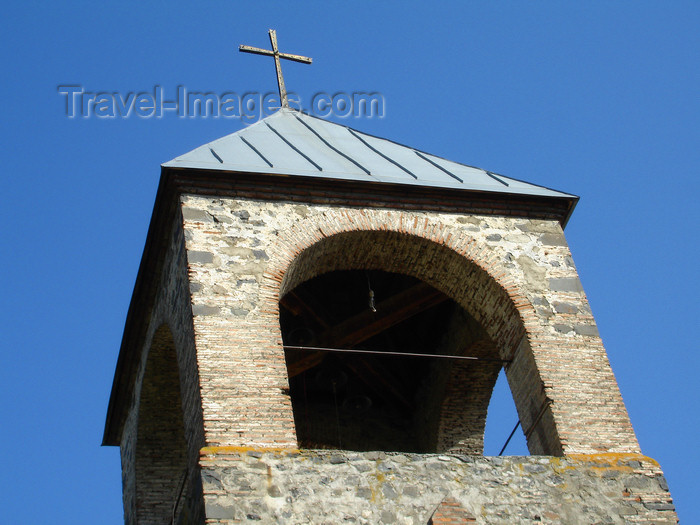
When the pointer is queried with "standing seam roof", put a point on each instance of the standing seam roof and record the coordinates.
(289, 142)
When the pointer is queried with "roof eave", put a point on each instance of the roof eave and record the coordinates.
(215, 181)
(123, 377)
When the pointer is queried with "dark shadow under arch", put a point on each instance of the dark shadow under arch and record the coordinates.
(161, 451)
(394, 397)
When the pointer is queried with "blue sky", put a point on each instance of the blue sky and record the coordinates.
(599, 99)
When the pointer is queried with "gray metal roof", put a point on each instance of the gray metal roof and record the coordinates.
(289, 142)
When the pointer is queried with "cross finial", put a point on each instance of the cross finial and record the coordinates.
(275, 53)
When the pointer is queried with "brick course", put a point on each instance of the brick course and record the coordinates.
(498, 268)
(450, 512)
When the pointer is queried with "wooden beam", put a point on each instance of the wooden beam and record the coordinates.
(367, 324)
(306, 362)
(300, 302)
(390, 312)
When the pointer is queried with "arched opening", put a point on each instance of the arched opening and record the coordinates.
(429, 300)
(503, 434)
(161, 461)
(361, 356)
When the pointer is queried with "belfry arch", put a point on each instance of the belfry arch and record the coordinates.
(161, 450)
(472, 316)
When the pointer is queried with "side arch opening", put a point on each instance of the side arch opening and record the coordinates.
(428, 300)
(161, 451)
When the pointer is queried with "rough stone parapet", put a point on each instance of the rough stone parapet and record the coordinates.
(289, 486)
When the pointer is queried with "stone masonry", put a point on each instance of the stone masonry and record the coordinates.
(330, 487)
(212, 309)
(515, 276)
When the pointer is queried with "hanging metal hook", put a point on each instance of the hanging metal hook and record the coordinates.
(371, 295)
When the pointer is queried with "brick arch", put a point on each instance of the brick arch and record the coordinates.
(449, 259)
(161, 450)
(442, 256)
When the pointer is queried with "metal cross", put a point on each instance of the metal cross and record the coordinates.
(275, 53)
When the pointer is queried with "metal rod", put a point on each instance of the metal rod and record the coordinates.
(382, 154)
(532, 427)
(496, 178)
(256, 151)
(312, 130)
(546, 404)
(509, 438)
(183, 480)
(437, 166)
(319, 168)
(403, 354)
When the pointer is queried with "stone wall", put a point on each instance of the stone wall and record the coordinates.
(515, 276)
(170, 313)
(330, 487)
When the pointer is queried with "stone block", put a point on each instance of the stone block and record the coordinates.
(195, 257)
(203, 309)
(565, 284)
(196, 215)
(553, 239)
(586, 329)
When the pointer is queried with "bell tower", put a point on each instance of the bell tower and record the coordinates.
(318, 322)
